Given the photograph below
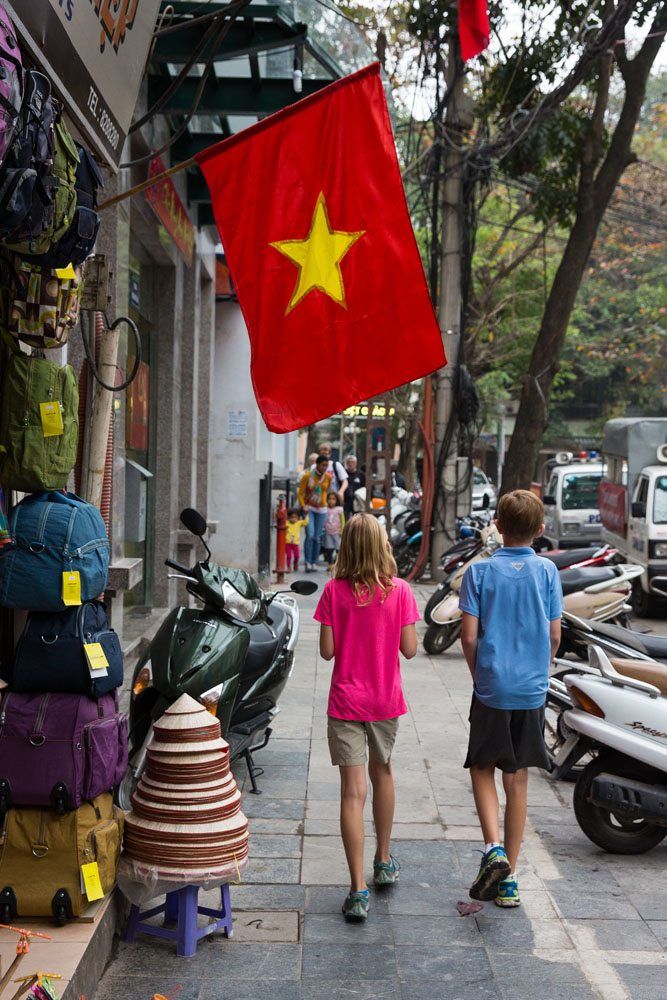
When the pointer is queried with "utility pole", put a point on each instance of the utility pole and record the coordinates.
(449, 304)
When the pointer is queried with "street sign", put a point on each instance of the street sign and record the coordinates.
(377, 411)
(94, 52)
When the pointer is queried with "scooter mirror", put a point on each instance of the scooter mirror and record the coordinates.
(304, 587)
(194, 521)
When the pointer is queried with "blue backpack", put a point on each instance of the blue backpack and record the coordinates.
(53, 534)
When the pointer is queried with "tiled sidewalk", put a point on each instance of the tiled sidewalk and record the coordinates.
(591, 924)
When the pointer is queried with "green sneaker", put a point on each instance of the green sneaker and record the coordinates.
(494, 868)
(356, 906)
(386, 872)
(508, 893)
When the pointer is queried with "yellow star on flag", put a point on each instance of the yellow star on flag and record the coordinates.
(318, 257)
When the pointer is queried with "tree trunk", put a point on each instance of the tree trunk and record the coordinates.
(407, 463)
(595, 193)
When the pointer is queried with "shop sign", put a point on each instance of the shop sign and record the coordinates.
(377, 411)
(171, 211)
(94, 52)
(612, 504)
(137, 404)
(237, 423)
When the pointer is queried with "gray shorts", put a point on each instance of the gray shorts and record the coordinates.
(348, 740)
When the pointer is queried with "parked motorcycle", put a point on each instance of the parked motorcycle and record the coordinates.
(599, 592)
(620, 796)
(234, 654)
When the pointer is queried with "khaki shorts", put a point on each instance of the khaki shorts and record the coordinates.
(348, 740)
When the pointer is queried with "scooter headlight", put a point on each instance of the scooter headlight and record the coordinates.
(240, 607)
(211, 699)
(144, 679)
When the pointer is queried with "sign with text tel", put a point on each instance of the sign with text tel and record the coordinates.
(94, 52)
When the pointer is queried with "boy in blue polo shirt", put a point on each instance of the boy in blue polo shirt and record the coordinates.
(512, 605)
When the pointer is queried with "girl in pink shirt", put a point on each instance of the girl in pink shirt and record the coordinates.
(367, 615)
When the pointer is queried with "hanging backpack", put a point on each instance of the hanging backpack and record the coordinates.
(60, 555)
(26, 194)
(78, 242)
(59, 184)
(37, 305)
(50, 654)
(39, 424)
(11, 81)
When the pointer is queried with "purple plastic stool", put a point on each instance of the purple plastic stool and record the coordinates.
(180, 908)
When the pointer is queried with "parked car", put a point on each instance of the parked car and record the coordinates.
(483, 491)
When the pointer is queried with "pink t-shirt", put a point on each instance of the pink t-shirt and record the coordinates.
(366, 681)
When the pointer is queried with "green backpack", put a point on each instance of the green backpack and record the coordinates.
(39, 424)
(61, 185)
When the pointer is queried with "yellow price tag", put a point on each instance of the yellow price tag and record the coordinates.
(91, 881)
(65, 272)
(71, 588)
(52, 419)
(95, 655)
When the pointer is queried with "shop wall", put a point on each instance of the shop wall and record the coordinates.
(240, 459)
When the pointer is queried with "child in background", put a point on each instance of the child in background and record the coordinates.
(295, 522)
(333, 529)
(367, 616)
(511, 606)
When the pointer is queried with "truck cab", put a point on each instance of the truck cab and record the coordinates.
(633, 503)
(571, 513)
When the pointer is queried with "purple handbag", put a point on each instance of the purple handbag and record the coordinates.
(59, 750)
(11, 81)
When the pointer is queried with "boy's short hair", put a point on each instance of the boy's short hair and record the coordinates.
(520, 514)
(322, 458)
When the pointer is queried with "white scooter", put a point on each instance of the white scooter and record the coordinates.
(620, 797)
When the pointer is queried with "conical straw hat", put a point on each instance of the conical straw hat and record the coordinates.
(187, 747)
(218, 829)
(181, 753)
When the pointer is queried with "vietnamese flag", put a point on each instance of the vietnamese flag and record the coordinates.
(474, 29)
(313, 219)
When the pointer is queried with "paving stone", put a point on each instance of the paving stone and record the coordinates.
(483, 989)
(239, 989)
(272, 870)
(440, 933)
(267, 897)
(142, 987)
(289, 827)
(327, 961)
(644, 982)
(265, 925)
(515, 932)
(329, 927)
(269, 808)
(602, 906)
(216, 958)
(353, 989)
(453, 965)
(527, 968)
(651, 906)
(426, 899)
(274, 846)
(659, 928)
(620, 935)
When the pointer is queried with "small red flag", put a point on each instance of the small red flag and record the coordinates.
(313, 219)
(474, 29)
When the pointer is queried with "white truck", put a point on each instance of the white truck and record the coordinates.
(571, 514)
(633, 503)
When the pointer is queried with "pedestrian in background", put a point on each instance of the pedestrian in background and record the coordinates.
(333, 528)
(355, 480)
(512, 605)
(313, 491)
(336, 471)
(367, 615)
(295, 522)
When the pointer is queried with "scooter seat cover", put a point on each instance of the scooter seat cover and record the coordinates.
(584, 576)
(651, 645)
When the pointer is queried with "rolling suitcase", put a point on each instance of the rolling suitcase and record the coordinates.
(59, 750)
(42, 854)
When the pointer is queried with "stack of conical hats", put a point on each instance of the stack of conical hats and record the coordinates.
(186, 818)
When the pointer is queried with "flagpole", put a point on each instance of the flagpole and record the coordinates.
(138, 188)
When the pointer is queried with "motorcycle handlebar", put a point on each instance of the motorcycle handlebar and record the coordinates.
(181, 569)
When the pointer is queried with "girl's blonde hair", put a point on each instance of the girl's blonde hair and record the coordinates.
(365, 558)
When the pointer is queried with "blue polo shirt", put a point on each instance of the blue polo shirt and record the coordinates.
(515, 594)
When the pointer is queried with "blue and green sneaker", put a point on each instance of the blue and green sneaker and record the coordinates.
(356, 905)
(494, 868)
(508, 893)
(386, 872)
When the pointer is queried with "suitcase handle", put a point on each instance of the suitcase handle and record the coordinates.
(40, 850)
(36, 739)
(50, 641)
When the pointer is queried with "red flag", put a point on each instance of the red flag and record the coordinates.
(474, 30)
(312, 215)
